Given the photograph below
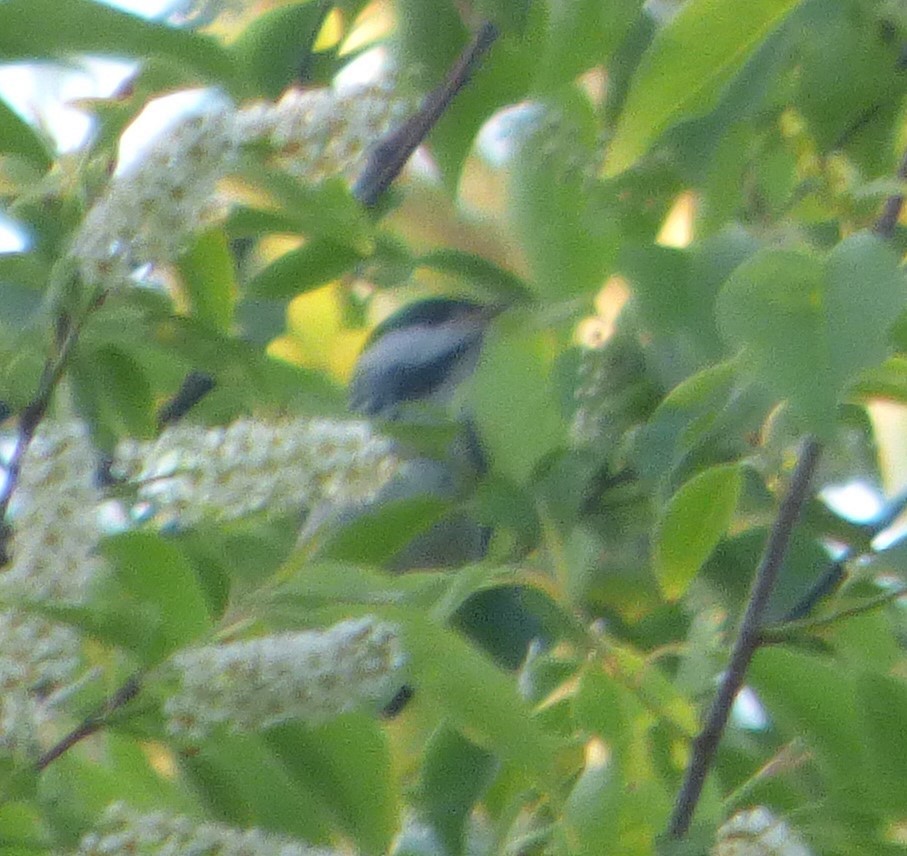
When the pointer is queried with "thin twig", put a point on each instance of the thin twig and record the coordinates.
(91, 724)
(390, 155)
(891, 212)
(785, 631)
(706, 743)
(831, 579)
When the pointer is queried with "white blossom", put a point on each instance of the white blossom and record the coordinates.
(191, 472)
(149, 214)
(55, 525)
(55, 534)
(35, 653)
(312, 676)
(315, 134)
(757, 832)
(126, 832)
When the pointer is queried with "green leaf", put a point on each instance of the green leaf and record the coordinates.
(327, 210)
(246, 222)
(380, 533)
(244, 782)
(23, 834)
(49, 29)
(592, 810)
(207, 274)
(686, 417)
(431, 34)
(158, 581)
(567, 233)
(455, 773)
(27, 269)
(696, 518)
(119, 388)
(322, 583)
(475, 695)
(345, 767)
(514, 402)
(883, 708)
(808, 329)
(17, 137)
(275, 48)
(582, 33)
(599, 706)
(866, 293)
(844, 74)
(501, 284)
(816, 700)
(886, 381)
(685, 68)
(317, 262)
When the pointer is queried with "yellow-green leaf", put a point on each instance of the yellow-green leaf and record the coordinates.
(693, 523)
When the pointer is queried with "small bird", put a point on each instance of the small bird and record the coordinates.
(420, 357)
(409, 373)
(422, 353)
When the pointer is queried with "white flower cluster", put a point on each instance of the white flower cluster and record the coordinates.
(55, 517)
(757, 832)
(311, 675)
(126, 832)
(316, 134)
(55, 531)
(191, 472)
(150, 213)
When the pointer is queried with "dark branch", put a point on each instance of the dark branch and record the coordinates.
(91, 724)
(387, 159)
(193, 389)
(706, 743)
(888, 219)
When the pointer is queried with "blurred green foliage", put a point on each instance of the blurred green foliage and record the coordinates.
(631, 477)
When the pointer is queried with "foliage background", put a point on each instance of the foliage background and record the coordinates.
(699, 196)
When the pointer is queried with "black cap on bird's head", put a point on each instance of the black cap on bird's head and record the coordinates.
(421, 353)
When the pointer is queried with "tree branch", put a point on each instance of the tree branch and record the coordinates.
(389, 156)
(748, 637)
(91, 724)
(194, 388)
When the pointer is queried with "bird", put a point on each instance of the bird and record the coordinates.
(421, 353)
(411, 372)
